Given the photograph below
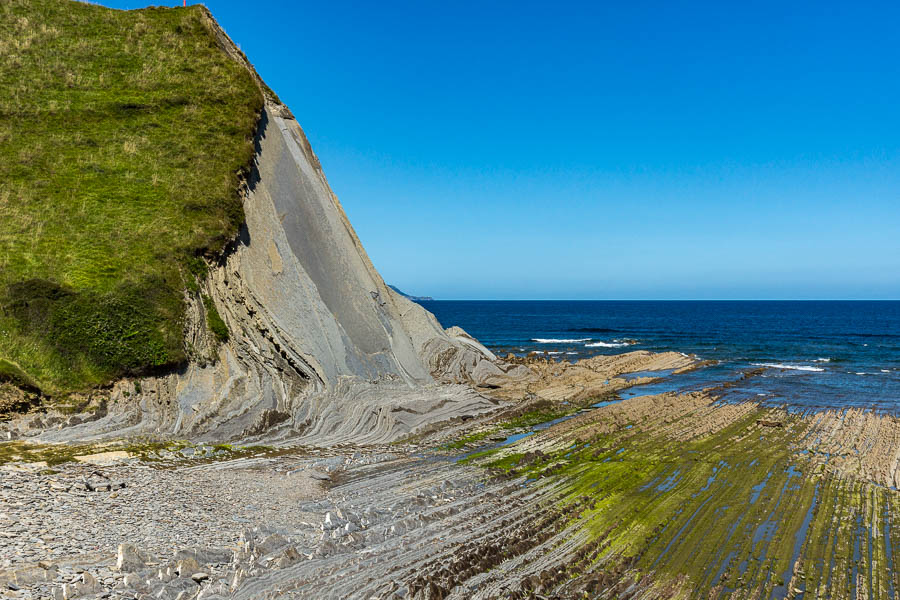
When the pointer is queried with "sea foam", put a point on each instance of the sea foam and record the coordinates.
(789, 367)
(559, 341)
(606, 345)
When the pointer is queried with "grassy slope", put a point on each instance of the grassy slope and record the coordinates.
(122, 135)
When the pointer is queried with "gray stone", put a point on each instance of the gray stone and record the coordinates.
(173, 589)
(187, 567)
(332, 521)
(129, 559)
(288, 556)
(88, 581)
(271, 544)
(206, 556)
(68, 591)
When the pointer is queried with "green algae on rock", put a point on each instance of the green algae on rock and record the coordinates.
(735, 510)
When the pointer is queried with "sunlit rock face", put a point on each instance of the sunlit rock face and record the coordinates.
(318, 345)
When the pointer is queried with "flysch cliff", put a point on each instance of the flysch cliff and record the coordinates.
(320, 348)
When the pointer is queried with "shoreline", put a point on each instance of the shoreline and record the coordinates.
(650, 496)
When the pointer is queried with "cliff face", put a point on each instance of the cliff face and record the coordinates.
(319, 346)
(309, 273)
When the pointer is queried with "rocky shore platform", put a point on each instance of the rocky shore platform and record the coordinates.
(563, 491)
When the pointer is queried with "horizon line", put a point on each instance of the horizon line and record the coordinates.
(432, 299)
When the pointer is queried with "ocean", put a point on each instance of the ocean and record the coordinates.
(814, 354)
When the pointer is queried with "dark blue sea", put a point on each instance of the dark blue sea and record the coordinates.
(814, 354)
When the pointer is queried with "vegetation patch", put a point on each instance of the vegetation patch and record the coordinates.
(52, 454)
(468, 440)
(477, 457)
(214, 320)
(123, 138)
(151, 451)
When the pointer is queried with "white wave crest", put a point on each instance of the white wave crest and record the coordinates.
(822, 360)
(789, 367)
(606, 345)
(559, 341)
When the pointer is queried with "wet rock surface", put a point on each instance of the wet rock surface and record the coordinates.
(652, 497)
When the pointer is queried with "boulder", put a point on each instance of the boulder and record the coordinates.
(187, 567)
(206, 556)
(129, 559)
(486, 373)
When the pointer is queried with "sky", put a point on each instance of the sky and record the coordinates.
(600, 150)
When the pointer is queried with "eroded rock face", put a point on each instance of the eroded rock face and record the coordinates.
(318, 345)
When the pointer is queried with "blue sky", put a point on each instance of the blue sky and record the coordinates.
(600, 150)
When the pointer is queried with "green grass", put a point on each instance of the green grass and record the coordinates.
(216, 324)
(123, 137)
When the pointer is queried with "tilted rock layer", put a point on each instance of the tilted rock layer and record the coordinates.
(319, 346)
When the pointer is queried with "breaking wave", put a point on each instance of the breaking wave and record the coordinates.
(606, 345)
(559, 341)
(789, 367)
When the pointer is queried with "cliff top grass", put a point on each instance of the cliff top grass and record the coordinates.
(123, 137)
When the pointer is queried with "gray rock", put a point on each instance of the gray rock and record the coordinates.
(325, 548)
(271, 544)
(129, 559)
(176, 587)
(486, 373)
(68, 591)
(165, 575)
(187, 567)
(332, 521)
(206, 556)
(88, 581)
(288, 556)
